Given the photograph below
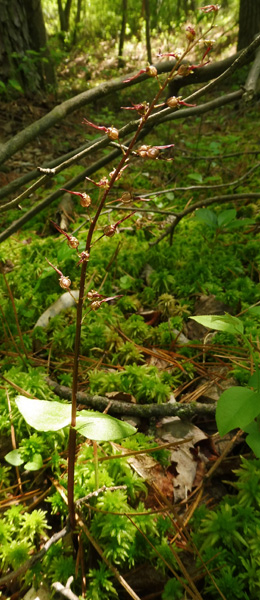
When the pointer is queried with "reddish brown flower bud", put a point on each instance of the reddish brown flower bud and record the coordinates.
(73, 242)
(210, 8)
(113, 133)
(93, 294)
(109, 230)
(96, 304)
(190, 33)
(184, 70)
(85, 200)
(153, 152)
(84, 257)
(126, 198)
(64, 282)
(151, 70)
(172, 102)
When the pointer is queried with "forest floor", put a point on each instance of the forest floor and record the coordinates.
(141, 349)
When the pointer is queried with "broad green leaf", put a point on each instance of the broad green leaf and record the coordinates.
(14, 458)
(253, 437)
(35, 464)
(207, 217)
(254, 381)
(102, 427)
(226, 323)
(44, 415)
(237, 407)
(226, 217)
(238, 223)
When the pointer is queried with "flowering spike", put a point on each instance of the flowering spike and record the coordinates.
(210, 8)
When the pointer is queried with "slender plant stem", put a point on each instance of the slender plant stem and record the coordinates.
(122, 162)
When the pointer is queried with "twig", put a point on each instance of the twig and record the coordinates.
(35, 558)
(183, 411)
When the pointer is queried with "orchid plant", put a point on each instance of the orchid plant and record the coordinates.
(52, 416)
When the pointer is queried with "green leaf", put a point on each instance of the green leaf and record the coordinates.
(35, 464)
(14, 458)
(102, 427)
(15, 84)
(236, 407)
(226, 217)
(44, 415)
(207, 217)
(254, 381)
(195, 177)
(255, 311)
(225, 323)
(253, 437)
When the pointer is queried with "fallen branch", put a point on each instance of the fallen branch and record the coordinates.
(183, 411)
(60, 112)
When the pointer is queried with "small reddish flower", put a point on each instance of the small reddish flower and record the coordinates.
(119, 174)
(112, 132)
(110, 230)
(127, 198)
(85, 198)
(141, 108)
(104, 183)
(84, 257)
(150, 70)
(92, 294)
(177, 54)
(97, 303)
(174, 102)
(208, 44)
(185, 70)
(210, 8)
(151, 151)
(190, 33)
(73, 242)
(64, 281)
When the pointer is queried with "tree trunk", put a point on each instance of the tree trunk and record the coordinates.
(122, 34)
(22, 36)
(147, 30)
(38, 39)
(249, 22)
(64, 15)
(77, 21)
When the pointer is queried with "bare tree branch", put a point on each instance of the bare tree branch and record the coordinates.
(61, 111)
(183, 411)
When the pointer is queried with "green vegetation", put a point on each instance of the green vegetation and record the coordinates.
(108, 490)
